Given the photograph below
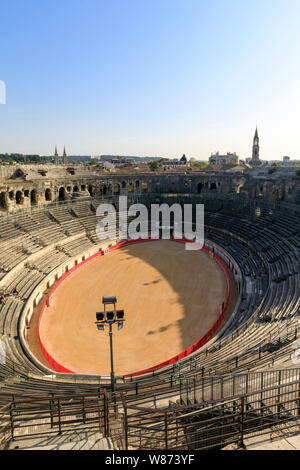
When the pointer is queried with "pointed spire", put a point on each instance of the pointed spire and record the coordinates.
(56, 156)
(255, 148)
(65, 161)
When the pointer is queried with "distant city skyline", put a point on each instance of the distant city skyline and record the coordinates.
(155, 78)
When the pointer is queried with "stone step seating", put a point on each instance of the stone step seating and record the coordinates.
(66, 219)
(8, 229)
(8, 315)
(88, 222)
(28, 283)
(51, 260)
(49, 236)
(76, 247)
(83, 209)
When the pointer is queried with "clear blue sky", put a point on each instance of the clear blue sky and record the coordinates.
(150, 77)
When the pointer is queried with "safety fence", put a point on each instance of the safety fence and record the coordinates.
(209, 425)
(214, 425)
(60, 368)
(46, 415)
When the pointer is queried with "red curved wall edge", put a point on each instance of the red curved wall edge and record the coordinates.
(59, 368)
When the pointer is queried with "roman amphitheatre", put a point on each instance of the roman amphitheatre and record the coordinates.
(208, 355)
(149, 279)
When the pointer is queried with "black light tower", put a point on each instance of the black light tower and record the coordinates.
(109, 317)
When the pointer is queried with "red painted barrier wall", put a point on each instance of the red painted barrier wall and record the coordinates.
(59, 368)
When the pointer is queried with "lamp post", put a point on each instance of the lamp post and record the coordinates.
(108, 318)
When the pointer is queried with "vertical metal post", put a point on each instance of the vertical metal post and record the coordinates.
(298, 408)
(51, 413)
(105, 415)
(112, 375)
(59, 421)
(166, 431)
(83, 410)
(242, 421)
(261, 395)
(99, 409)
(125, 425)
(278, 396)
(187, 391)
(11, 421)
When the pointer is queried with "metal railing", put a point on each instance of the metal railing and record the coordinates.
(213, 425)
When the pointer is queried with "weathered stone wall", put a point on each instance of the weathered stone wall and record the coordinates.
(31, 185)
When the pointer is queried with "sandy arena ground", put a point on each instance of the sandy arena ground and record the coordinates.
(171, 299)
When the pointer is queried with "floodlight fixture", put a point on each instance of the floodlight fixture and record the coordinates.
(110, 316)
(109, 299)
(120, 314)
(100, 316)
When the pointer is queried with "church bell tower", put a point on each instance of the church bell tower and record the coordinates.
(255, 150)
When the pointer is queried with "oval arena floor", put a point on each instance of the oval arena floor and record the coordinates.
(171, 299)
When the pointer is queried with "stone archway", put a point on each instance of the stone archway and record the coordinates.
(48, 195)
(3, 201)
(62, 194)
(91, 190)
(34, 197)
(19, 198)
(199, 188)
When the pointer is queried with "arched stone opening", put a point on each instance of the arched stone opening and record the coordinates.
(199, 188)
(130, 188)
(3, 201)
(62, 194)
(83, 187)
(11, 195)
(19, 198)
(76, 189)
(123, 184)
(48, 195)
(33, 197)
(213, 186)
(104, 190)
(91, 190)
(137, 184)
